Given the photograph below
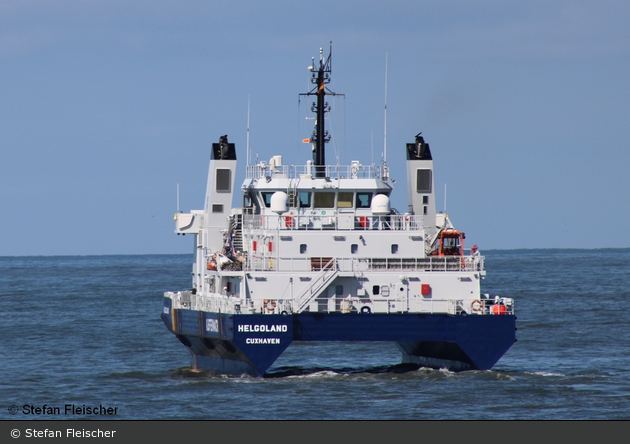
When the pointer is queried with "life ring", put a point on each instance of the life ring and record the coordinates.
(269, 304)
(366, 310)
(476, 306)
(499, 309)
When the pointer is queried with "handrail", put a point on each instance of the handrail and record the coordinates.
(328, 272)
(333, 221)
(354, 171)
(218, 303)
(359, 264)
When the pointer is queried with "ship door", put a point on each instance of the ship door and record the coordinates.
(403, 294)
(232, 287)
(268, 250)
(248, 204)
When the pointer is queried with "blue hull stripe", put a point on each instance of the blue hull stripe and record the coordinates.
(250, 344)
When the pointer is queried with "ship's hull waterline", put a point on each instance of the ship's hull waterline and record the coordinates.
(249, 344)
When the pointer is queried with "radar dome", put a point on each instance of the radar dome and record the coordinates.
(380, 205)
(279, 202)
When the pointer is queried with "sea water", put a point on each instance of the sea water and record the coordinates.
(85, 332)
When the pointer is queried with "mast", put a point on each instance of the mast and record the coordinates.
(320, 78)
(385, 123)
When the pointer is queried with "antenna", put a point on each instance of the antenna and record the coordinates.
(385, 135)
(178, 198)
(372, 142)
(320, 78)
(247, 155)
(444, 198)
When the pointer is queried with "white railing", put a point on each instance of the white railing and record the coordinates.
(217, 303)
(354, 171)
(334, 221)
(354, 265)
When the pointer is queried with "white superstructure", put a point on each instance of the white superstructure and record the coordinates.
(327, 244)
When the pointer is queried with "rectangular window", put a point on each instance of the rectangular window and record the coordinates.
(247, 201)
(266, 199)
(423, 181)
(217, 208)
(303, 248)
(344, 200)
(305, 199)
(376, 290)
(324, 200)
(425, 200)
(223, 180)
(354, 248)
(394, 248)
(364, 200)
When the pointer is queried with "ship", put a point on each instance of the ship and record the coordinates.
(316, 252)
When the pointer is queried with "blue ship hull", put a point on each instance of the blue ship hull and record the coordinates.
(250, 343)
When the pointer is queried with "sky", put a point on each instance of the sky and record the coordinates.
(107, 107)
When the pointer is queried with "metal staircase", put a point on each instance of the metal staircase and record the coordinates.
(236, 228)
(328, 273)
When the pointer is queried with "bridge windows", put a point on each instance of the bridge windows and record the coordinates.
(364, 200)
(305, 199)
(344, 199)
(247, 201)
(266, 197)
(324, 200)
